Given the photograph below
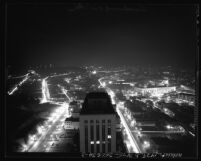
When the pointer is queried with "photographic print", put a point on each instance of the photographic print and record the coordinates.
(103, 80)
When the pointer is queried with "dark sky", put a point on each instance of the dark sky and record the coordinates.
(105, 34)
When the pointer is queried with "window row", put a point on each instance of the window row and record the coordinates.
(97, 121)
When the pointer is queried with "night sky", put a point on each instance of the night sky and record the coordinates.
(104, 34)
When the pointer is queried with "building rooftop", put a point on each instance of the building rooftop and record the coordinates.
(187, 93)
(97, 103)
(73, 103)
(72, 119)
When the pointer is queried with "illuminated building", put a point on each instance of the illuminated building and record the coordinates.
(75, 109)
(71, 123)
(75, 112)
(187, 96)
(155, 91)
(97, 124)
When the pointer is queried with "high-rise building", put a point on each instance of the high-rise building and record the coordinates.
(97, 124)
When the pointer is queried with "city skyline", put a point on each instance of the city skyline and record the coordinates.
(151, 111)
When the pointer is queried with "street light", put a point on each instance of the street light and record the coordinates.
(39, 130)
(132, 123)
(146, 144)
(139, 133)
(25, 148)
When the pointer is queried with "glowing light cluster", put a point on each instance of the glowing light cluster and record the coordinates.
(139, 133)
(131, 143)
(102, 84)
(133, 123)
(67, 80)
(112, 95)
(58, 75)
(16, 87)
(24, 148)
(146, 144)
(42, 130)
(168, 112)
(175, 128)
(169, 127)
(45, 91)
(129, 117)
(94, 72)
(64, 91)
(192, 134)
(59, 114)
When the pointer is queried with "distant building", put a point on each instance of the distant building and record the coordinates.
(155, 91)
(75, 113)
(71, 123)
(187, 96)
(75, 109)
(97, 124)
(73, 104)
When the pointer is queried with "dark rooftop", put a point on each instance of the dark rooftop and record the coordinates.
(72, 119)
(97, 103)
(187, 93)
(73, 103)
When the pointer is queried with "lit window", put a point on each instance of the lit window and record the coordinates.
(109, 136)
(98, 142)
(92, 142)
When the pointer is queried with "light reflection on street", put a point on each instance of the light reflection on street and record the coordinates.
(37, 141)
(19, 84)
(131, 143)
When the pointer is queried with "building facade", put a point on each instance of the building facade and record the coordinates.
(187, 97)
(71, 123)
(155, 91)
(97, 124)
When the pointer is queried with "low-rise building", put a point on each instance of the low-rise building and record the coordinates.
(75, 112)
(187, 96)
(75, 109)
(71, 123)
